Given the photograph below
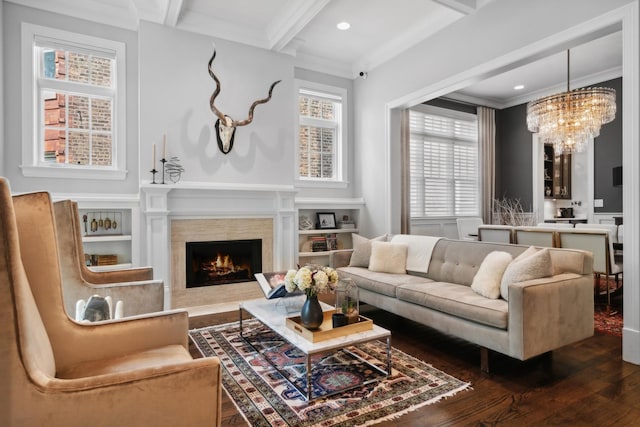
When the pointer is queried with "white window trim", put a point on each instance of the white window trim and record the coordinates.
(341, 180)
(31, 166)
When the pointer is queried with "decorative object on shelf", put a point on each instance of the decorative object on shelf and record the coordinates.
(174, 169)
(570, 119)
(346, 222)
(312, 280)
(348, 300)
(326, 220)
(305, 223)
(225, 125)
(153, 170)
(101, 227)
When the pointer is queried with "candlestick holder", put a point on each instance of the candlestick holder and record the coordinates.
(153, 175)
(163, 162)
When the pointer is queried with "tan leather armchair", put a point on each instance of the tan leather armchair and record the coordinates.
(133, 287)
(134, 372)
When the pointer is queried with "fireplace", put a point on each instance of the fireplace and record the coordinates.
(222, 262)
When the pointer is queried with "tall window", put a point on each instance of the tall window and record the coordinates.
(443, 156)
(320, 122)
(77, 100)
(76, 97)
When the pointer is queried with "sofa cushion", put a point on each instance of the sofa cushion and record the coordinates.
(535, 266)
(387, 257)
(457, 300)
(362, 249)
(381, 283)
(487, 280)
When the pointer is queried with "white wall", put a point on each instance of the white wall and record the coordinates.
(13, 16)
(175, 88)
(472, 47)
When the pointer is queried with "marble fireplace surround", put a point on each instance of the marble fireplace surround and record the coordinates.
(187, 211)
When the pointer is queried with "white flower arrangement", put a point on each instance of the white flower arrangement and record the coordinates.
(312, 280)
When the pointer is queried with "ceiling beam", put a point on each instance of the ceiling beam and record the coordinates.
(172, 12)
(291, 21)
(466, 7)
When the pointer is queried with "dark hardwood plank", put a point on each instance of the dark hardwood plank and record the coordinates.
(585, 383)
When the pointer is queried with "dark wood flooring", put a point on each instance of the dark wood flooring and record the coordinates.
(584, 384)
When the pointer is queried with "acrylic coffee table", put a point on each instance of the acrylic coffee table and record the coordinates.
(273, 314)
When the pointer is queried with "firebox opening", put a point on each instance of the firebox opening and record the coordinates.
(222, 262)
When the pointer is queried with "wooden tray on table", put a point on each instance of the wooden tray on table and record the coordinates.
(326, 331)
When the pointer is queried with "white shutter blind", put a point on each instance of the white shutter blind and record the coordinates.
(443, 156)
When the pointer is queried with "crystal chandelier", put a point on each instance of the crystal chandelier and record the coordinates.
(569, 119)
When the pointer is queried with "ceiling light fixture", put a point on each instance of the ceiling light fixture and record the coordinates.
(343, 26)
(518, 87)
(569, 119)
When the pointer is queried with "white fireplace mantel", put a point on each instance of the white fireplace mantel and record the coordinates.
(195, 200)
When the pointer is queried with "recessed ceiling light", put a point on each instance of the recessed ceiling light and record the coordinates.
(343, 26)
(518, 87)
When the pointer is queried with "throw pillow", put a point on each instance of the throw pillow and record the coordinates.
(532, 267)
(362, 250)
(487, 280)
(387, 257)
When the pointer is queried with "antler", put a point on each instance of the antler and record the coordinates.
(254, 105)
(215, 93)
(224, 118)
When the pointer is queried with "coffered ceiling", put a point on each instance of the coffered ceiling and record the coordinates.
(380, 30)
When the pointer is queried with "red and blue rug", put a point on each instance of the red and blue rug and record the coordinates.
(266, 397)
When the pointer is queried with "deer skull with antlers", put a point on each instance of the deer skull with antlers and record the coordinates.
(225, 125)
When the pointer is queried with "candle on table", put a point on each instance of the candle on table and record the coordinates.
(153, 162)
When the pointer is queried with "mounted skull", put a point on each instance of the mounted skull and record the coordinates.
(225, 125)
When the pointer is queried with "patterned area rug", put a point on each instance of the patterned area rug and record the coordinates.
(266, 398)
(609, 321)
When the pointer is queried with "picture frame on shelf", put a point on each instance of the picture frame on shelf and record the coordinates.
(326, 220)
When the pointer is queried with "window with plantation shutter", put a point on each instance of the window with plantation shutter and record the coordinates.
(443, 157)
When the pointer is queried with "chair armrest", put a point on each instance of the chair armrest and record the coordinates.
(341, 257)
(187, 393)
(128, 275)
(137, 297)
(548, 313)
(111, 338)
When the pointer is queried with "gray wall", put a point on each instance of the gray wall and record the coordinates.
(514, 163)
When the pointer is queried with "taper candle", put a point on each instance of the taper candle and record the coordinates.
(164, 146)
(153, 162)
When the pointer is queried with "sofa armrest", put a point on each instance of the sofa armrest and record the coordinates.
(548, 313)
(341, 258)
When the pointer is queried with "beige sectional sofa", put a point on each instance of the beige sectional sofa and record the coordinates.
(435, 289)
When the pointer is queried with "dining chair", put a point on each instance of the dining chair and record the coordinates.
(598, 243)
(495, 233)
(137, 296)
(535, 236)
(612, 229)
(468, 227)
(55, 371)
(555, 225)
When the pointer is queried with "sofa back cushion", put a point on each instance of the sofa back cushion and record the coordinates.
(458, 261)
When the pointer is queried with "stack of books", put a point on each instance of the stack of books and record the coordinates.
(318, 244)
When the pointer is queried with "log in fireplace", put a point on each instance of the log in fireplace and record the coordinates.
(222, 262)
